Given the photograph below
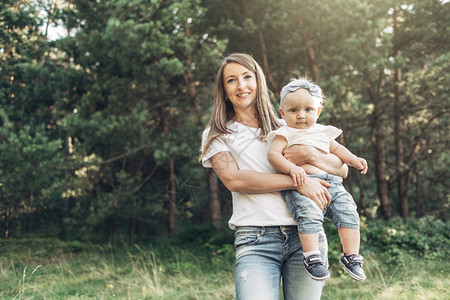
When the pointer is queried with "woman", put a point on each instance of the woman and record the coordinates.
(266, 239)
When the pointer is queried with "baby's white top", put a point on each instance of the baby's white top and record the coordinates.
(318, 136)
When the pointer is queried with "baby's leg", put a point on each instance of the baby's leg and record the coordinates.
(342, 211)
(350, 239)
(309, 218)
(310, 241)
(310, 222)
(350, 259)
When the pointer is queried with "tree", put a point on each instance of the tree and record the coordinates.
(145, 63)
(362, 57)
(113, 112)
(30, 86)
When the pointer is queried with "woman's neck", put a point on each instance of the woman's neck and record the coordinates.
(247, 118)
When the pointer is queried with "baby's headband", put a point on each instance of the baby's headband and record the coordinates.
(294, 85)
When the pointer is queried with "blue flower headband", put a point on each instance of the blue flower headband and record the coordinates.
(294, 85)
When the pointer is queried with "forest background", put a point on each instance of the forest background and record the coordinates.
(102, 106)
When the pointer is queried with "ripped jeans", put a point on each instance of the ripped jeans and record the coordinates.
(267, 255)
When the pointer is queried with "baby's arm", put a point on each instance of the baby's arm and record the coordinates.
(347, 157)
(279, 162)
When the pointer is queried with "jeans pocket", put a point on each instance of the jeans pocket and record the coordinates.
(245, 239)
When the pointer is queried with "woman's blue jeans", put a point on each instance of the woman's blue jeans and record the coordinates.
(267, 256)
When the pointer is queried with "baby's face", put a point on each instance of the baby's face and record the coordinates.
(300, 109)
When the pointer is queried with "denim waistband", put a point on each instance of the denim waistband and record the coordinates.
(267, 229)
(328, 177)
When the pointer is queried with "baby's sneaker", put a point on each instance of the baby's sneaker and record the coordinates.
(315, 267)
(353, 264)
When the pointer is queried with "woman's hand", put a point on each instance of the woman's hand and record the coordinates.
(316, 190)
(300, 154)
(304, 154)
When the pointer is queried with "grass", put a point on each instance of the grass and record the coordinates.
(52, 269)
(140, 272)
(410, 279)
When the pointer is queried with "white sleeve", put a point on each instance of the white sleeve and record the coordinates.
(283, 131)
(333, 132)
(217, 145)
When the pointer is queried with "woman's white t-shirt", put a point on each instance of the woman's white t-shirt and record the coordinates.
(258, 209)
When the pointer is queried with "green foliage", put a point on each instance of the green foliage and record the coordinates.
(136, 103)
(424, 238)
(31, 153)
(25, 157)
(355, 53)
(396, 241)
(104, 111)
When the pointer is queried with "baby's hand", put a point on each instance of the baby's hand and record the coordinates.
(361, 164)
(298, 174)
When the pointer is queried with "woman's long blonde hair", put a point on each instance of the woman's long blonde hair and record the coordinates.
(223, 110)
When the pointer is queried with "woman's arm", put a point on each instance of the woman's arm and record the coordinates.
(304, 154)
(245, 181)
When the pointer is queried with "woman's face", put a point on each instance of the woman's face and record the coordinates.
(240, 86)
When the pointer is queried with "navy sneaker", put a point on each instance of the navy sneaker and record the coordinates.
(353, 264)
(316, 268)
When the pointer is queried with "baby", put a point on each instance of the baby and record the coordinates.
(300, 106)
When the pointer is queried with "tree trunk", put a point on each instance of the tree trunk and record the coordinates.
(7, 222)
(380, 173)
(114, 231)
(380, 156)
(402, 182)
(399, 156)
(172, 199)
(363, 208)
(172, 188)
(214, 203)
(68, 150)
(29, 211)
(131, 226)
(49, 17)
(420, 204)
(275, 86)
(6, 218)
(309, 49)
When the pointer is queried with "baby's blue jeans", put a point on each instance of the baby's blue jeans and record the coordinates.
(342, 210)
